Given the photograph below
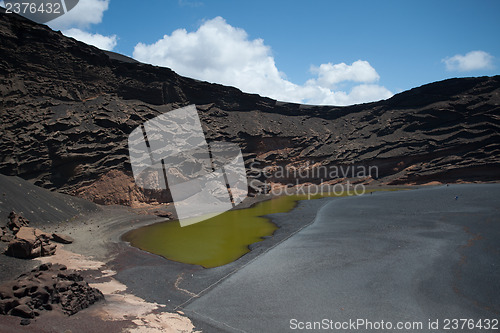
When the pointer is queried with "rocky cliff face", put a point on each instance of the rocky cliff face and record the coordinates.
(66, 110)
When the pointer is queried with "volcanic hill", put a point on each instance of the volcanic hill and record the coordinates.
(67, 108)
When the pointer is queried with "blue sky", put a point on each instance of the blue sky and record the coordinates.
(321, 52)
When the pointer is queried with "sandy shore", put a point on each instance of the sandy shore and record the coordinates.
(145, 292)
(138, 297)
(97, 242)
(120, 305)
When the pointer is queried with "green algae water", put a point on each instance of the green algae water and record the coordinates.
(218, 240)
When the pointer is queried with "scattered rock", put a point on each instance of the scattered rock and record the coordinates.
(30, 243)
(46, 288)
(63, 239)
(16, 222)
(25, 321)
(27, 242)
(22, 310)
(6, 237)
(164, 214)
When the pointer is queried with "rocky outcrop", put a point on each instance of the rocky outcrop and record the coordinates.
(67, 110)
(16, 222)
(30, 243)
(118, 187)
(47, 288)
(26, 242)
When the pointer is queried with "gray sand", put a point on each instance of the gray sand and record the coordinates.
(411, 255)
(395, 256)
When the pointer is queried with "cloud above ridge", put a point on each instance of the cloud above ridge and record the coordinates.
(103, 42)
(78, 20)
(359, 71)
(474, 60)
(218, 52)
(83, 15)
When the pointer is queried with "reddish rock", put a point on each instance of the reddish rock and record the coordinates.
(19, 248)
(43, 235)
(30, 243)
(16, 222)
(27, 233)
(63, 239)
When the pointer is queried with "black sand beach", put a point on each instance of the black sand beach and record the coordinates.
(411, 255)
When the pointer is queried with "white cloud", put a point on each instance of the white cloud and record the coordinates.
(474, 60)
(100, 41)
(359, 94)
(218, 52)
(359, 71)
(84, 14)
(2, 4)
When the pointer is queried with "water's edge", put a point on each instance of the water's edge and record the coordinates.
(224, 238)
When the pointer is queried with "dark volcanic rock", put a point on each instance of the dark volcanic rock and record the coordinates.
(25, 321)
(22, 310)
(47, 288)
(6, 237)
(30, 243)
(67, 110)
(16, 222)
(26, 242)
(20, 248)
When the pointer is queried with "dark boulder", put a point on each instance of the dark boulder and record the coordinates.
(23, 310)
(47, 288)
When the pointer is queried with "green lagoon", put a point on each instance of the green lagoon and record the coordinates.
(218, 240)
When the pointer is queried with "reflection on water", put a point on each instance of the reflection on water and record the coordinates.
(216, 241)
